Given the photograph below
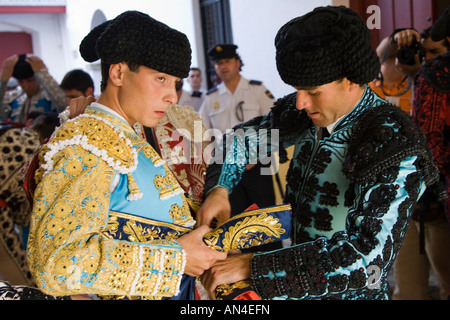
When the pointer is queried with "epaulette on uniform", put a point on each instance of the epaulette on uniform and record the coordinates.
(255, 82)
(197, 94)
(214, 89)
(258, 83)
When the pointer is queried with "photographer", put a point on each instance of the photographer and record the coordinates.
(394, 84)
(415, 48)
(429, 111)
(401, 56)
(40, 91)
(410, 52)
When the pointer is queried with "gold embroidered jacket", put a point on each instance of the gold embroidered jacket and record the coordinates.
(101, 210)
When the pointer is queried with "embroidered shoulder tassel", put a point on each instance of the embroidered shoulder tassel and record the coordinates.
(167, 185)
(133, 189)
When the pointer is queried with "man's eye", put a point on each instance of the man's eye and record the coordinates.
(161, 79)
(314, 94)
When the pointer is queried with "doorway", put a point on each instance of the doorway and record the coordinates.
(14, 43)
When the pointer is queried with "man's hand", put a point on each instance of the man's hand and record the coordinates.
(35, 62)
(78, 105)
(216, 205)
(235, 268)
(199, 257)
(8, 67)
(80, 297)
(405, 37)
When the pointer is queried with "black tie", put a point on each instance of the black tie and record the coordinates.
(324, 133)
(150, 135)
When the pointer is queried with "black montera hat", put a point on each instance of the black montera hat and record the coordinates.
(325, 45)
(135, 37)
(441, 28)
(22, 69)
(222, 51)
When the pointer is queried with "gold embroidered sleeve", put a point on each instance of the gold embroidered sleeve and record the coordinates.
(68, 252)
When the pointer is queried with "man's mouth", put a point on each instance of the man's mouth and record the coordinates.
(160, 113)
(313, 114)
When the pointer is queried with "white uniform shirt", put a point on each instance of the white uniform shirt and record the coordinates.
(192, 99)
(223, 110)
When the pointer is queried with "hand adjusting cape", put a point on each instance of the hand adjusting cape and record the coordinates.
(251, 228)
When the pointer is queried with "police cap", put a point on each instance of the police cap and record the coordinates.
(222, 51)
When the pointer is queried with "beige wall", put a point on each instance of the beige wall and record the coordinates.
(341, 3)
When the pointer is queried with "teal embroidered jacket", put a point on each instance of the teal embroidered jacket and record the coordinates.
(351, 196)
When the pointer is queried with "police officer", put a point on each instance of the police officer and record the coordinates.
(236, 100)
(196, 96)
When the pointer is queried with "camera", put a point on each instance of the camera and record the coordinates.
(406, 55)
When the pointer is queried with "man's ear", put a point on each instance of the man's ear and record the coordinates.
(116, 73)
(350, 84)
(89, 92)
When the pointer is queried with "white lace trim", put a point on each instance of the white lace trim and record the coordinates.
(83, 141)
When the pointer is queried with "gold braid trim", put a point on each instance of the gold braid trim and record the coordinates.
(103, 138)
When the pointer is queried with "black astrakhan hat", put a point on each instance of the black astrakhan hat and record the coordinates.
(22, 69)
(222, 51)
(326, 45)
(135, 37)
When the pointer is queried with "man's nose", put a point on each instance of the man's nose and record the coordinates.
(172, 96)
(303, 100)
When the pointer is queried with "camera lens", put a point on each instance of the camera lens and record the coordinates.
(406, 55)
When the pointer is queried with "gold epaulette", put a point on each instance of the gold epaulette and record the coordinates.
(100, 137)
